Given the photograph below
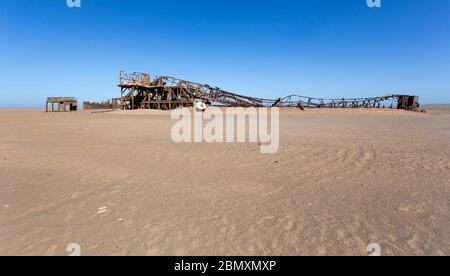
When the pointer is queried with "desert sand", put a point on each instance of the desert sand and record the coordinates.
(116, 184)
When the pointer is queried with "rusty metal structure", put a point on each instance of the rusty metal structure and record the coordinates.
(97, 106)
(63, 104)
(140, 91)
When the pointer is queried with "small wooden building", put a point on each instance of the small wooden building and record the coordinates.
(61, 104)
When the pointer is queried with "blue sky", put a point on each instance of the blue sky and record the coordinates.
(322, 48)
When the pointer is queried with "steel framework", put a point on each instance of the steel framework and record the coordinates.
(139, 91)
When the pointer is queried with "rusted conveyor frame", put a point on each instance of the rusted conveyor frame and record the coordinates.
(191, 91)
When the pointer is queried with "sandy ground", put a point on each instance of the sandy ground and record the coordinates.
(116, 184)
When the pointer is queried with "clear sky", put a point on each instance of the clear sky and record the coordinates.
(322, 48)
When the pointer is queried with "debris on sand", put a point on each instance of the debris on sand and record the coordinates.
(102, 210)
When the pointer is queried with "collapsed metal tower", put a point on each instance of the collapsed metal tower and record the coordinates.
(139, 91)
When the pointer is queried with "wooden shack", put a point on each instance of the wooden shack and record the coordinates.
(61, 104)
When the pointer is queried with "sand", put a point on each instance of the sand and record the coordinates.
(116, 184)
